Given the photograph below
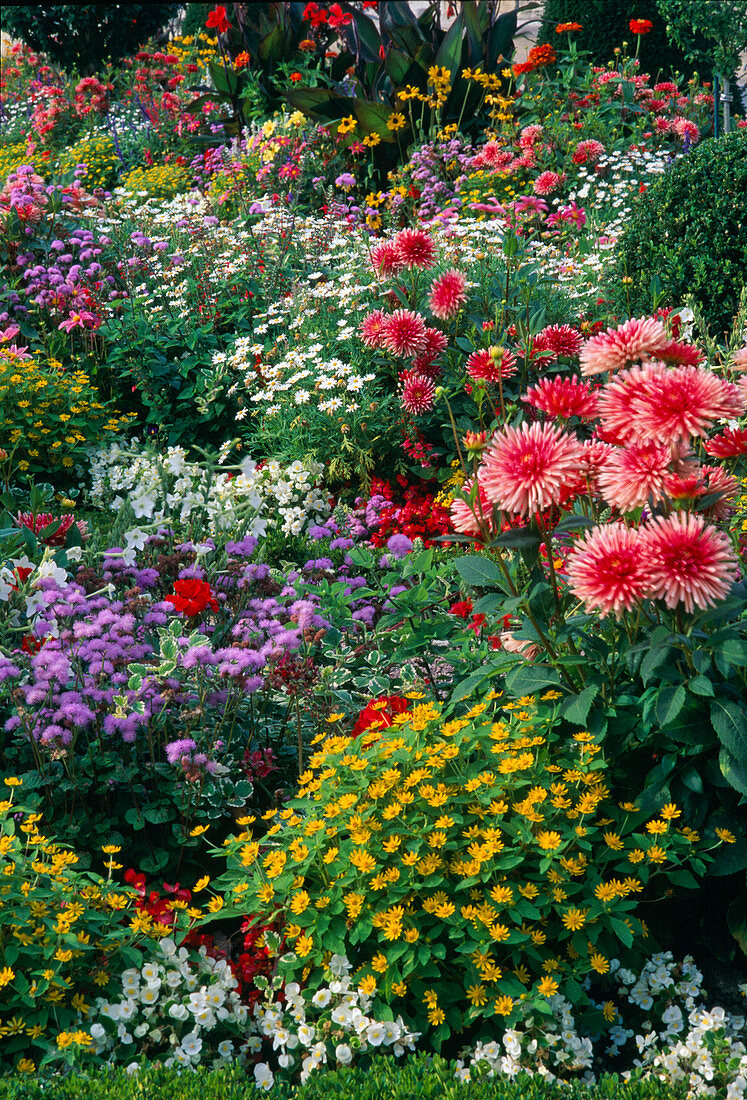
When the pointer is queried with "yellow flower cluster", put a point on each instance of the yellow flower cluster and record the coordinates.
(12, 156)
(49, 414)
(161, 182)
(480, 856)
(100, 156)
(59, 941)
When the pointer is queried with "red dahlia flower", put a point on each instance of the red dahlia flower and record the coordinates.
(192, 596)
(641, 26)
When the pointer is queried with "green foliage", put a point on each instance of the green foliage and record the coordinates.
(86, 35)
(687, 236)
(429, 1078)
(605, 26)
(470, 867)
(712, 36)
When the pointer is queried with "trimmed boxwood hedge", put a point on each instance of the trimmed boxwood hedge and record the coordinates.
(687, 235)
(422, 1077)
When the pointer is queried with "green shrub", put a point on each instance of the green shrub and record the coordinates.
(606, 26)
(687, 235)
(423, 1077)
(85, 34)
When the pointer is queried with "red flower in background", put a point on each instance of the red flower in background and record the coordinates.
(218, 19)
(380, 713)
(641, 26)
(192, 596)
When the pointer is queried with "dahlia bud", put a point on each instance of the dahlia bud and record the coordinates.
(439, 391)
(3, 454)
(496, 354)
(475, 443)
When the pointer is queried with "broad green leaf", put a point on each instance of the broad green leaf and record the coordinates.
(669, 702)
(479, 571)
(576, 707)
(730, 723)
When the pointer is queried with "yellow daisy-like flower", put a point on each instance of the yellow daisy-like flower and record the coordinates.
(477, 995)
(725, 835)
(549, 840)
(599, 963)
(504, 1005)
(547, 986)
(573, 919)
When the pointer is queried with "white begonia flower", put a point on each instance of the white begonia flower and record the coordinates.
(192, 1044)
(167, 946)
(344, 1054)
(149, 994)
(178, 1012)
(376, 1034)
(306, 1034)
(321, 998)
(263, 1076)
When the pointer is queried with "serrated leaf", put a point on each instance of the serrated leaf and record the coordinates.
(528, 679)
(479, 571)
(730, 723)
(576, 707)
(669, 702)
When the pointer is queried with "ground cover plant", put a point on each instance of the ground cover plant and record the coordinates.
(374, 518)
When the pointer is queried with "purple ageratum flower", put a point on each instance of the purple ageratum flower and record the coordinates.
(176, 750)
(243, 549)
(345, 181)
(341, 544)
(399, 545)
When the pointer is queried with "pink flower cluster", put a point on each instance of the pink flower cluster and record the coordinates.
(644, 419)
(405, 333)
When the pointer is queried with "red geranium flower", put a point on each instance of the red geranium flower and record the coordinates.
(218, 19)
(192, 596)
(380, 713)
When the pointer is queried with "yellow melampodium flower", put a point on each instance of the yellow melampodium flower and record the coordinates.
(547, 987)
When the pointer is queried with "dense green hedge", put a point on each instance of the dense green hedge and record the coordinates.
(422, 1078)
(687, 235)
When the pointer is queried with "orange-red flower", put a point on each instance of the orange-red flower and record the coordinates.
(218, 19)
(641, 26)
(568, 27)
(380, 713)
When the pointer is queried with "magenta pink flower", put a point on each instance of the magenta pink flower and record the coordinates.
(403, 333)
(371, 327)
(78, 320)
(435, 342)
(699, 481)
(686, 129)
(668, 404)
(484, 367)
(633, 475)
(587, 152)
(730, 443)
(608, 571)
(548, 182)
(448, 294)
(529, 468)
(386, 259)
(557, 342)
(690, 563)
(638, 338)
(417, 394)
(415, 248)
(562, 397)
